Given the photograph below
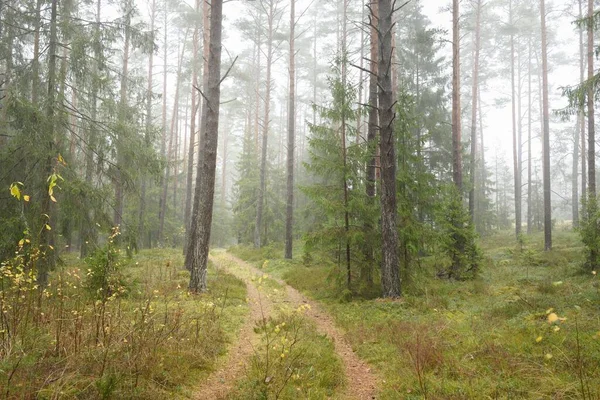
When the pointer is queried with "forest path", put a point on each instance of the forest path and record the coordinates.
(361, 383)
(222, 381)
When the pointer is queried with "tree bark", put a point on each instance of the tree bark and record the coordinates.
(516, 144)
(343, 135)
(546, 136)
(456, 123)
(173, 132)
(591, 161)
(289, 220)
(147, 136)
(373, 128)
(582, 60)
(529, 153)
(47, 209)
(119, 191)
(204, 194)
(263, 160)
(474, 94)
(390, 274)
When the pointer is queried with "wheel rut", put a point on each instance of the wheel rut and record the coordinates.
(361, 383)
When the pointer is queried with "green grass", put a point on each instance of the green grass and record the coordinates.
(292, 360)
(155, 341)
(485, 338)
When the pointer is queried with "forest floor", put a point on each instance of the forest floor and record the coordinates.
(360, 383)
(527, 327)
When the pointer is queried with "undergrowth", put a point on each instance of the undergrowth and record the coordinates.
(527, 327)
(112, 327)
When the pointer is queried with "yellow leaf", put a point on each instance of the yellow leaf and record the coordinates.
(48, 227)
(15, 192)
(556, 328)
(548, 311)
(26, 197)
(552, 317)
(539, 339)
(548, 356)
(53, 198)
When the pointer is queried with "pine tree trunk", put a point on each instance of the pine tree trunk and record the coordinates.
(148, 133)
(119, 192)
(529, 153)
(591, 161)
(516, 144)
(170, 153)
(360, 74)
(47, 208)
(35, 62)
(582, 60)
(456, 123)
(373, 101)
(390, 274)
(289, 219)
(265, 133)
(546, 135)
(343, 135)
(204, 195)
(591, 131)
(192, 138)
(87, 227)
(474, 94)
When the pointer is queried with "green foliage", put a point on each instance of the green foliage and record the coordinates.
(457, 237)
(155, 343)
(326, 190)
(589, 230)
(486, 337)
(105, 270)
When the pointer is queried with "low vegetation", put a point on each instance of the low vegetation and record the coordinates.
(526, 327)
(111, 327)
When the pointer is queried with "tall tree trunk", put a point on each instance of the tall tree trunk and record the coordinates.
(516, 144)
(546, 136)
(204, 196)
(582, 60)
(119, 192)
(529, 154)
(224, 169)
(474, 94)
(192, 139)
(263, 160)
(35, 63)
(291, 142)
(47, 208)
(591, 128)
(456, 125)
(360, 73)
(343, 135)
(148, 133)
(163, 140)
(170, 153)
(373, 127)
(590, 107)
(87, 226)
(390, 274)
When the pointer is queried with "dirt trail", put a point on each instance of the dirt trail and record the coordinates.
(220, 383)
(361, 382)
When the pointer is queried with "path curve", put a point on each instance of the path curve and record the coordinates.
(361, 382)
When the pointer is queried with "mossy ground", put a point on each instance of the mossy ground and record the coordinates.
(155, 342)
(484, 338)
